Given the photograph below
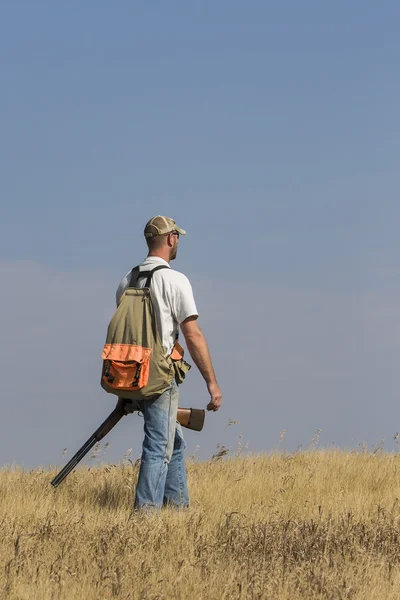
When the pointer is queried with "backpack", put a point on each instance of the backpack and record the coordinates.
(134, 362)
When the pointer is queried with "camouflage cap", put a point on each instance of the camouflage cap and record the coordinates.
(161, 225)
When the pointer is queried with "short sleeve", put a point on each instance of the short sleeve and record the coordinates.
(182, 300)
(121, 288)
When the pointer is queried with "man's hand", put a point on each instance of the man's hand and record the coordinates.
(216, 397)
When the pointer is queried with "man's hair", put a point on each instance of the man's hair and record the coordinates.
(156, 242)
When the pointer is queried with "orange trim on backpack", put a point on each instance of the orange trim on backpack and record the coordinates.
(124, 352)
(126, 367)
(177, 352)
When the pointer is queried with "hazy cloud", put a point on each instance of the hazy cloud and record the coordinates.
(286, 359)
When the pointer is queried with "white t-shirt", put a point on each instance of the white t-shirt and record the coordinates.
(172, 297)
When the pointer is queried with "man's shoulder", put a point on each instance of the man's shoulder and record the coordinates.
(173, 277)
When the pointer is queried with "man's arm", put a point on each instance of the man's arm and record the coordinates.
(198, 349)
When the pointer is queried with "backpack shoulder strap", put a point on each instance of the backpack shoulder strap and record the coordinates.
(134, 277)
(135, 274)
(149, 274)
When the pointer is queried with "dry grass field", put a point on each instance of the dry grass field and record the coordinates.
(317, 524)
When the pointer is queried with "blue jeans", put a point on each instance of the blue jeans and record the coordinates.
(162, 475)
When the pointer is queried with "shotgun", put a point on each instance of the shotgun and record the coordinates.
(191, 418)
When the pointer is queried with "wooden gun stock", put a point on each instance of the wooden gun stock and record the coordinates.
(191, 418)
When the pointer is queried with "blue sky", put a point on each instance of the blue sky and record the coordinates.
(269, 131)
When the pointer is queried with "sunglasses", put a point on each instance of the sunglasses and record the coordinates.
(171, 233)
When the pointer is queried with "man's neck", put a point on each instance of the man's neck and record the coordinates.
(160, 254)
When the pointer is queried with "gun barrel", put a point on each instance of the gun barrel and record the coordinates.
(98, 435)
(73, 462)
(192, 418)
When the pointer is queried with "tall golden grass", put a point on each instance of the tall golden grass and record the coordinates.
(317, 524)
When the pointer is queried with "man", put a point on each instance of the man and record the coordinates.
(162, 475)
